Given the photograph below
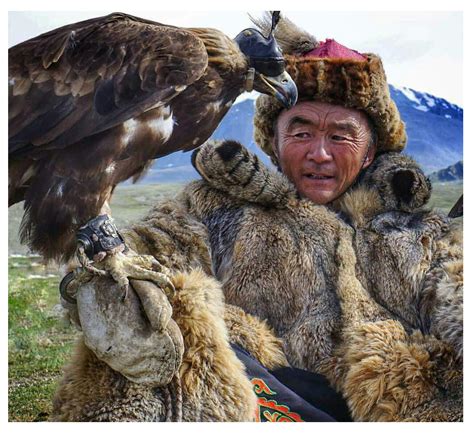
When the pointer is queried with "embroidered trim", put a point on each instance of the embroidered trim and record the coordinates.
(269, 409)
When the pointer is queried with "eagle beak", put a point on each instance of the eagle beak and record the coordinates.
(282, 87)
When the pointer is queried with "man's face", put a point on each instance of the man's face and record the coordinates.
(321, 148)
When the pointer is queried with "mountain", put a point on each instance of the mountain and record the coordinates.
(434, 126)
(451, 173)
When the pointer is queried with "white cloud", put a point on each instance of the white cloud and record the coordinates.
(421, 50)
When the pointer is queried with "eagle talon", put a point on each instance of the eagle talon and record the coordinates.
(169, 289)
(86, 263)
(81, 256)
(100, 256)
(95, 271)
(123, 268)
(71, 282)
(113, 262)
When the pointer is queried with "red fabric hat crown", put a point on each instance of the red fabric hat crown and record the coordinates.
(333, 50)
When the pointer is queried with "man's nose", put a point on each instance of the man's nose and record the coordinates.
(319, 151)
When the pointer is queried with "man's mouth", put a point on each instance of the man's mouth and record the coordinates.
(317, 176)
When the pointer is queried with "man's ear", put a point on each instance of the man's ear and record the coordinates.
(369, 158)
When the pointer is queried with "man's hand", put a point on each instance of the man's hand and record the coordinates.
(135, 336)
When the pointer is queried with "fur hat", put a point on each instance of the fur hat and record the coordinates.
(329, 72)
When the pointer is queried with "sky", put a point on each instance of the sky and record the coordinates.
(422, 50)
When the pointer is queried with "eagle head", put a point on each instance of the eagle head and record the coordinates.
(265, 56)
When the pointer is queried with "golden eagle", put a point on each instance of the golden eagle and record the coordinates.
(91, 104)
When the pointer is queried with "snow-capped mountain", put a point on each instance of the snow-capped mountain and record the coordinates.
(434, 126)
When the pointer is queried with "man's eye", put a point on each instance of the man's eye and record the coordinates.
(338, 138)
(301, 135)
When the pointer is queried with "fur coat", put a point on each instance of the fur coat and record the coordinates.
(367, 292)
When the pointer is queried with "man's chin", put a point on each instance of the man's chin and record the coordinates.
(319, 197)
(319, 193)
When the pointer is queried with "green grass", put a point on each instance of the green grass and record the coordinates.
(39, 340)
(445, 195)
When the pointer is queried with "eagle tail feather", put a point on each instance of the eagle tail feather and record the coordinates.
(50, 222)
(53, 238)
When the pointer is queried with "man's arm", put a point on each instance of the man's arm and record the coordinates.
(232, 169)
(172, 235)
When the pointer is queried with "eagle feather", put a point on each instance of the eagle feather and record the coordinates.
(72, 89)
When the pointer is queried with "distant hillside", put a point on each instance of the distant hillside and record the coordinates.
(451, 173)
(434, 126)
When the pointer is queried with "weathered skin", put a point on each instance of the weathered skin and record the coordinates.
(371, 297)
(317, 138)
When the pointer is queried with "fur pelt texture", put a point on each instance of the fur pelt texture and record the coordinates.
(213, 383)
(409, 258)
(372, 288)
(368, 293)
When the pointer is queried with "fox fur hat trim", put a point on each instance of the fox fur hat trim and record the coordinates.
(356, 81)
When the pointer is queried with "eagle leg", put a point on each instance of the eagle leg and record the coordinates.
(100, 243)
(97, 238)
(125, 269)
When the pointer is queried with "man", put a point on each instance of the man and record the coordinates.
(322, 147)
(313, 275)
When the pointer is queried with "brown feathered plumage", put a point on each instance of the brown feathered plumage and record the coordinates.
(93, 103)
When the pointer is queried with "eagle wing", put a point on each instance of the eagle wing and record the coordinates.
(87, 77)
